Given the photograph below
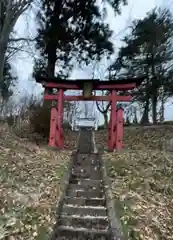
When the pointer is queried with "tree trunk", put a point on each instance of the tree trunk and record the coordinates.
(51, 50)
(154, 92)
(51, 67)
(154, 108)
(3, 49)
(2, 60)
(105, 119)
(135, 119)
(145, 118)
(162, 111)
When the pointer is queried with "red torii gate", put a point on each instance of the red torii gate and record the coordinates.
(115, 130)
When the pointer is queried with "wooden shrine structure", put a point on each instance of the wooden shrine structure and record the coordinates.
(54, 91)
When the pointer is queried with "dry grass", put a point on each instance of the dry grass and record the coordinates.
(30, 180)
(136, 138)
(142, 180)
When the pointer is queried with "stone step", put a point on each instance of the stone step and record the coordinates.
(85, 222)
(86, 194)
(83, 210)
(86, 164)
(82, 233)
(87, 168)
(86, 159)
(86, 156)
(89, 187)
(85, 148)
(93, 175)
(85, 201)
(85, 181)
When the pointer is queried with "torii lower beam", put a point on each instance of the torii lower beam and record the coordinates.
(92, 98)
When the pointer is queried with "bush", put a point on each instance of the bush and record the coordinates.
(39, 119)
(33, 119)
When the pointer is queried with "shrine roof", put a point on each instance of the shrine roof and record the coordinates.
(79, 82)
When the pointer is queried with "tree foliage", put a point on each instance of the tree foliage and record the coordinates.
(148, 50)
(72, 31)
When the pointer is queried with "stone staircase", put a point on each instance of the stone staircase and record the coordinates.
(84, 212)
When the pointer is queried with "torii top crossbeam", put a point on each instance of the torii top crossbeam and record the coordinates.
(77, 84)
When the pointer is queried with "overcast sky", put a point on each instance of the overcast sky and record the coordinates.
(26, 25)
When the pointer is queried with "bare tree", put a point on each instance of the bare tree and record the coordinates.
(100, 71)
(10, 11)
(104, 109)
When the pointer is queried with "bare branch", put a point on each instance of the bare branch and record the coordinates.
(10, 11)
(103, 111)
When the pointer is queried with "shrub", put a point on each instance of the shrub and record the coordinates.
(39, 119)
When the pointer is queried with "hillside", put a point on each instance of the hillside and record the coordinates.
(30, 179)
(141, 179)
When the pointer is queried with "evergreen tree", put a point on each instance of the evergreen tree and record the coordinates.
(72, 31)
(148, 50)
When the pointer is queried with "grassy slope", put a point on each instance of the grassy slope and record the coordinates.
(30, 180)
(142, 180)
